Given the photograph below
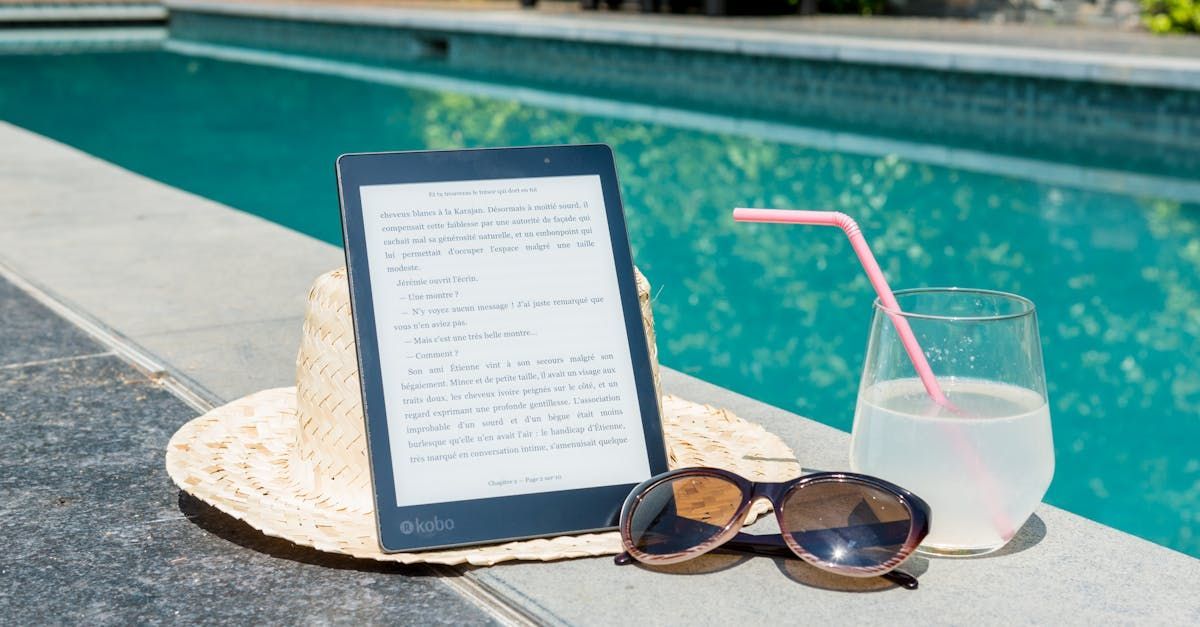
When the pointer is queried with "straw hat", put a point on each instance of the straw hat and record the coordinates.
(292, 462)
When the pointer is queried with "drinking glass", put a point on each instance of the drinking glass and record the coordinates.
(983, 460)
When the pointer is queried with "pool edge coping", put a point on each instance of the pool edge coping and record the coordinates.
(1050, 172)
(1132, 70)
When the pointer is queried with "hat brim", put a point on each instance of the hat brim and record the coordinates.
(238, 458)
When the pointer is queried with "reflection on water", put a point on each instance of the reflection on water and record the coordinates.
(777, 313)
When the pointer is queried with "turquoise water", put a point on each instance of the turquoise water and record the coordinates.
(780, 314)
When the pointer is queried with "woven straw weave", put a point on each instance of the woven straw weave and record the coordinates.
(292, 462)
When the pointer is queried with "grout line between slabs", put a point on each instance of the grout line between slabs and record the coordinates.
(191, 393)
(55, 360)
(493, 603)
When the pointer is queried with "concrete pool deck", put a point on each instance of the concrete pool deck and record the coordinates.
(206, 302)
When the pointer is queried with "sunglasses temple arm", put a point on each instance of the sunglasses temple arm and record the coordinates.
(901, 578)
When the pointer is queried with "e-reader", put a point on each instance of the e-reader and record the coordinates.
(506, 382)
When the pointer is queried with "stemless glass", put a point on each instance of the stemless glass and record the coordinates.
(984, 460)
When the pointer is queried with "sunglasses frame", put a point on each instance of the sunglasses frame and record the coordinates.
(777, 494)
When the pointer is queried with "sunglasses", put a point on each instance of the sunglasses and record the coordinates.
(840, 522)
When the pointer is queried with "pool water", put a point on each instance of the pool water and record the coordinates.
(777, 313)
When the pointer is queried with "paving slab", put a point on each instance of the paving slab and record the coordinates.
(97, 533)
(234, 359)
(184, 265)
(1062, 568)
(30, 333)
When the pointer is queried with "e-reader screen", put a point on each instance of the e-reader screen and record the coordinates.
(501, 338)
(505, 373)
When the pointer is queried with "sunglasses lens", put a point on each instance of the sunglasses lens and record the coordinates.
(683, 513)
(846, 524)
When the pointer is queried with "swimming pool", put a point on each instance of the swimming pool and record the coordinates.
(1112, 258)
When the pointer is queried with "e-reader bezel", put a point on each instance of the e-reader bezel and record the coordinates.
(496, 519)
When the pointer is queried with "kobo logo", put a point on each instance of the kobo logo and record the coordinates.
(417, 525)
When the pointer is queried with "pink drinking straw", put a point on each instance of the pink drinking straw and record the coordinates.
(892, 309)
(874, 274)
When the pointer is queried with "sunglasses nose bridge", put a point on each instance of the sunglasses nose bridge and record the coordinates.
(771, 492)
